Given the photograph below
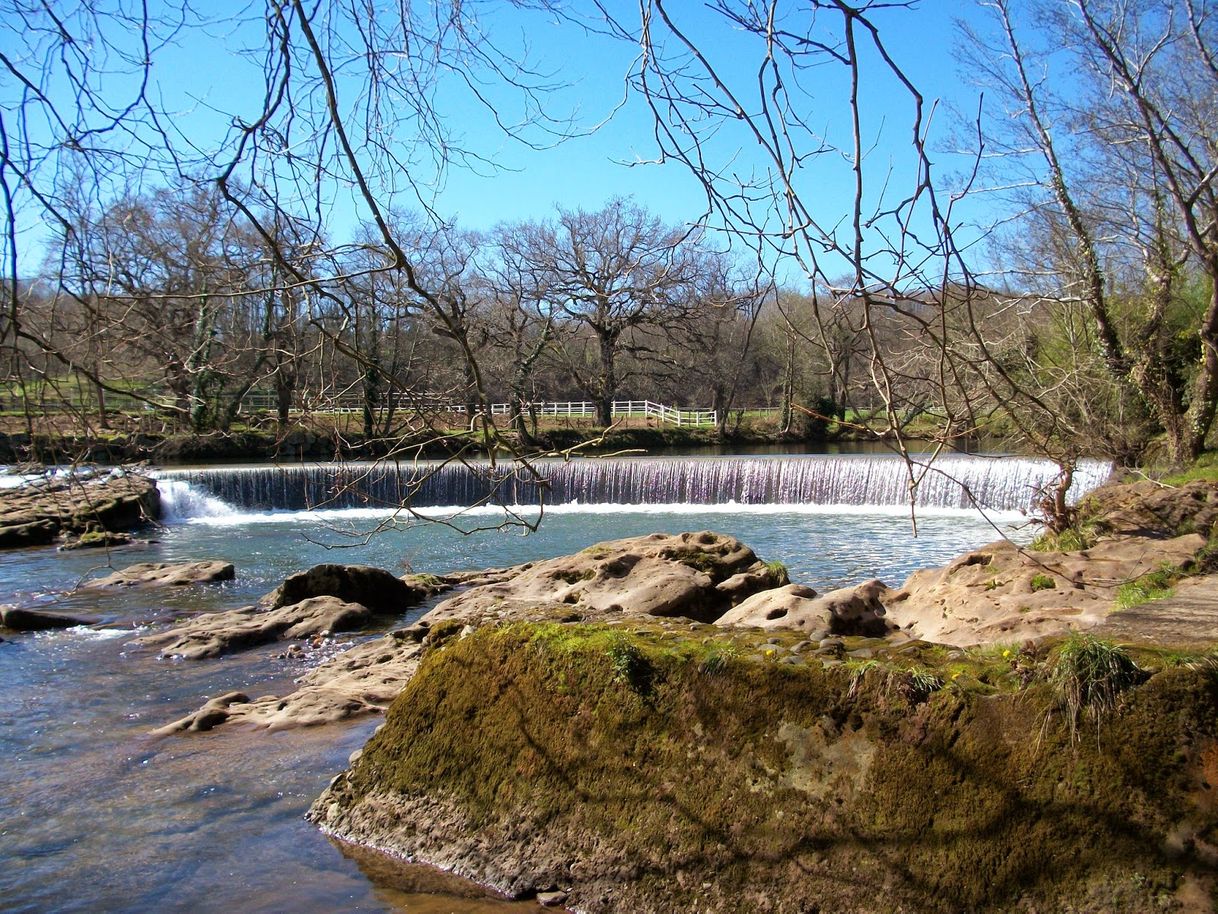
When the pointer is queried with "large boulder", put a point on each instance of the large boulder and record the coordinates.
(167, 574)
(375, 588)
(692, 575)
(36, 513)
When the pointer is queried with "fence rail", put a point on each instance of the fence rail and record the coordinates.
(354, 404)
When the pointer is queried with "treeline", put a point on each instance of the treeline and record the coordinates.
(174, 297)
(1074, 311)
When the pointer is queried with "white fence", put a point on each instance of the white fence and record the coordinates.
(349, 403)
(571, 409)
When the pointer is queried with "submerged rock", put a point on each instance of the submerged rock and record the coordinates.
(36, 513)
(98, 539)
(31, 620)
(167, 574)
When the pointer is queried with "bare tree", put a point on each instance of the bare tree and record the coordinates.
(1120, 125)
(616, 276)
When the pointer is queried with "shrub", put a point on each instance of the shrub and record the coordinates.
(629, 664)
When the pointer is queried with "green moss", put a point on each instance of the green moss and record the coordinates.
(574, 577)
(426, 580)
(780, 778)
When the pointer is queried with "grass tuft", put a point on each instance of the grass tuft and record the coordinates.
(1088, 675)
(1043, 582)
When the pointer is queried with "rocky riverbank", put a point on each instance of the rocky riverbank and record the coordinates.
(667, 723)
(84, 508)
(821, 750)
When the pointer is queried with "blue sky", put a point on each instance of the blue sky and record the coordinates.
(203, 79)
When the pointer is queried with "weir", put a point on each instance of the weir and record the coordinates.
(992, 483)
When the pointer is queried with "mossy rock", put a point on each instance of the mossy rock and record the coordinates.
(643, 769)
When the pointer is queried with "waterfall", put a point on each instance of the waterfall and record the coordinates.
(993, 483)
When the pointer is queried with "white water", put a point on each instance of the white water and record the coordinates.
(1005, 488)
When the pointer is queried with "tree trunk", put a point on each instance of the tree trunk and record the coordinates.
(787, 417)
(608, 379)
(1205, 388)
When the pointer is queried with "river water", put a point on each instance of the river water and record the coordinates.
(95, 814)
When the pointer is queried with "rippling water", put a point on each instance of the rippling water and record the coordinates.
(97, 815)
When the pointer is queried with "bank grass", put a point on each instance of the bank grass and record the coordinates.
(1203, 469)
(1156, 585)
(1082, 535)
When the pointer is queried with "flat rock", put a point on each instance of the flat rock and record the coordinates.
(215, 634)
(36, 513)
(98, 539)
(359, 681)
(165, 574)
(323, 600)
(31, 620)
(1002, 592)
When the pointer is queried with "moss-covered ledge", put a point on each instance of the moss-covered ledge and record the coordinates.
(659, 769)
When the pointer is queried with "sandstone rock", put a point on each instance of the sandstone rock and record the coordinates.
(693, 575)
(855, 610)
(35, 513)
(1002, 592)
(31, 620)
(375, 588)
(165, 574)
(324, 599)
(97, 539)
(1149, 509)
(214, 634)
(362, 680)
(212, 714)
